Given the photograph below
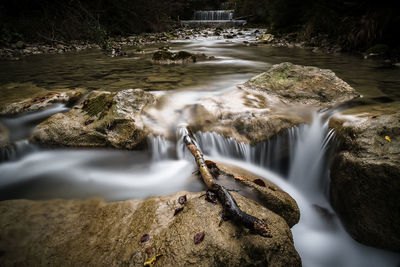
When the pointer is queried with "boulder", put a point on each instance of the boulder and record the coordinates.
(75, 232)
(296, 84)
(100, 119)
(19, 98)
(365, 174)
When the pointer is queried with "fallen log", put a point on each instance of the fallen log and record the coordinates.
(230, 207)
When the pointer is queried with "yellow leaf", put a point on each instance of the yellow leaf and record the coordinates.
(273, 188)
(388, 139)
(152, 261)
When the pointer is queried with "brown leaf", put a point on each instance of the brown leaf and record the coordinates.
(182, 199)
(259, 182)
(148, 250)
(178, 210)
(198, 238)
(145, 238)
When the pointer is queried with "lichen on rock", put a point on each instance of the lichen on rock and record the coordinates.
(296, 84)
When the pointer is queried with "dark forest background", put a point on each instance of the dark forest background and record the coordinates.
(353, 24)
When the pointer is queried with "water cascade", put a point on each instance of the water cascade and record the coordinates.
(214, 15)
(319, 236)
(213, 18)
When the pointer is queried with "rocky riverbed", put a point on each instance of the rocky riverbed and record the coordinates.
(173, 232)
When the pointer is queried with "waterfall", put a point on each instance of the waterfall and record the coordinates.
(16, 150)
(272, 154)
(305, 150)
(160, 147)
(214, 15)
(309, 159)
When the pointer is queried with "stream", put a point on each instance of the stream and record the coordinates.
(33, 172)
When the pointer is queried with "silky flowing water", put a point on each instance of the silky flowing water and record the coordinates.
(33, 172)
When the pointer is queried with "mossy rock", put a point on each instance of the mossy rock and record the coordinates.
(163, 55)
(99, 105)
(307, 85)
(167, 57)
(101, 119)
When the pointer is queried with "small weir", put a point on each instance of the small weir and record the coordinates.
(213, 18)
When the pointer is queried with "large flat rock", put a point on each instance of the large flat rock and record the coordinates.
(95, 233)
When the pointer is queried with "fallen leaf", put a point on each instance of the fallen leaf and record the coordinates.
(388, 139)
(198, 238)
(178, 210)
(152, 261)
(145, 238)
(259, 182)
(148, 250)
(182, 199)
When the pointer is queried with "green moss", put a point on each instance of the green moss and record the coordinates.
(99, 105)
(166, 55)
(182, 55)
(163, 55)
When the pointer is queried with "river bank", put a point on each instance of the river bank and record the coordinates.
(115, 46)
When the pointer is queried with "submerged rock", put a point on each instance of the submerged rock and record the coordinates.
(365, 175)
(166, 57)
(19, 98)
(74, 232)
(100, 119)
